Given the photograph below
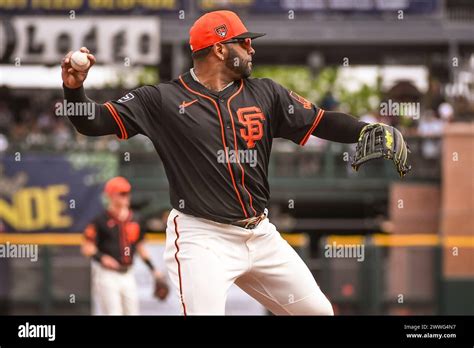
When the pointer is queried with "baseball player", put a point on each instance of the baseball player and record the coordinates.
(213, 128)
(112, 240)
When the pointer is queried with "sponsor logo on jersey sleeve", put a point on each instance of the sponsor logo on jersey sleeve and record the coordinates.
(126, 98)
(305, 102)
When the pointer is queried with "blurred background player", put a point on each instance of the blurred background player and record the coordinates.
(112, 240)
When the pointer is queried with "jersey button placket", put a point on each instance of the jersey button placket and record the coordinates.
(230, 145)
(227, 123)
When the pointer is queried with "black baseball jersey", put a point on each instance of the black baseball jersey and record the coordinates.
(215, 146)
(115, 238)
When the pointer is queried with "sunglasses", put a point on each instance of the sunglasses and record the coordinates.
(240, 41)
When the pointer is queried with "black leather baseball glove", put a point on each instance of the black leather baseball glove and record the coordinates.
(379, 140)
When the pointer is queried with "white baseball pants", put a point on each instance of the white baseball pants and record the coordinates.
(204, 258)
(116, 292)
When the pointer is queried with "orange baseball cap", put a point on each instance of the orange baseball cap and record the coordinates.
(217, 26)
(117, 185)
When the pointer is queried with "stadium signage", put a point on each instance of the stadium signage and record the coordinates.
(56, 193)
(45, 40)
(323, 6)
(86, 7)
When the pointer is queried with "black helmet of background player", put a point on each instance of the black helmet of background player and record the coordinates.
(225, 28)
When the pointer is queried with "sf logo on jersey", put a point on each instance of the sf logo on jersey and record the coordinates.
(252, 119)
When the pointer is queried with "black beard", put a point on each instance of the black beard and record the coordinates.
(236, 64)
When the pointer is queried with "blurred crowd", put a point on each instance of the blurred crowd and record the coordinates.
(28, 119)
(32, 122)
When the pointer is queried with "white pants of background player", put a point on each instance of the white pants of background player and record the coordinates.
(115, 292)
(204, 258)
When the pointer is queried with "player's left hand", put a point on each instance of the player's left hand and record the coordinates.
(161, 287)
(379, 140)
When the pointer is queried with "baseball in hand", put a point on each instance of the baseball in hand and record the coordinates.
(79, 61)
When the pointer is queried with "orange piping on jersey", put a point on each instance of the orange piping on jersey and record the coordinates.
(235, 144)
(223, 141)
(175, 220)
(121, 242)
(313, 127)
(118, 120)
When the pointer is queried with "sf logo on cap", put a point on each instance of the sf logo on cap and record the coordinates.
(221, 30)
